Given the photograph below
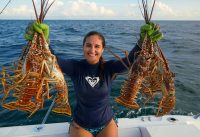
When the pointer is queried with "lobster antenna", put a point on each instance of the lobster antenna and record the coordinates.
(140, 9)
(116, 56)
(44, 9)
(47, 8)
(41, 10)
(5, 7)
(146, 12)
(35, 10)
(152, 9)
(46, 4)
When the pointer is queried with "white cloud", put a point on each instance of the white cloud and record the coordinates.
(37, 2)
(22, 10)
(87, 9)
(59, 3)
(161, 10)
(27, 11)
(189, 14)
(82, 8)
(56, 7)
(164, 9)
(133, 11)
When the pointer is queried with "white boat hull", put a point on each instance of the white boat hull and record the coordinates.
(145, 126)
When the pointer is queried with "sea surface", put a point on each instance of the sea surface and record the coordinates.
(181, 47)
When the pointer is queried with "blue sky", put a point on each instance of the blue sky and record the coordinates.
(104, 9)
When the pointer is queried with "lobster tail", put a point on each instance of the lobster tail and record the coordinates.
(62, 104)
(129, 93)
(166, 105)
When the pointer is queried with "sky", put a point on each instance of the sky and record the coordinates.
(103, 9)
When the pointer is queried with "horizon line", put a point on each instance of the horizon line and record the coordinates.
(107, 19)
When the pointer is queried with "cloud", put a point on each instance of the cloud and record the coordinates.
(161, 10)
(56, 8)
(20, 11)
(82, 8)
(164, 8)
(164, 11)
(188, 14)
(59, 3)
(26, 11)
(133, 11)
(87, 9)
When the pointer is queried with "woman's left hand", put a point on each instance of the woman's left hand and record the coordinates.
(36, 27)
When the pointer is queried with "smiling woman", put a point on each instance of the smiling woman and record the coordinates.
(92, 79)
(94, 44)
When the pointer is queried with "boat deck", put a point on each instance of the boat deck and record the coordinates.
(145, 126)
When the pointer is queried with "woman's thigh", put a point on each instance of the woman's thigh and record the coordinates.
(111, 130)
(76, 131)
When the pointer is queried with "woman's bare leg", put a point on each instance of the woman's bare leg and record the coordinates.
(77, 131)
(111, 130)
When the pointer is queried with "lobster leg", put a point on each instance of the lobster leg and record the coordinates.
(24, 102)
(62, 104)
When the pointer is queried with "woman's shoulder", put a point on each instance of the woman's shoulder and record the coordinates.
(77, 62)
(109, 62)
(69, 61)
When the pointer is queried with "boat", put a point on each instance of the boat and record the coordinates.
(143, 126)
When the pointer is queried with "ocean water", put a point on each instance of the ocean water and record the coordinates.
(181, 47)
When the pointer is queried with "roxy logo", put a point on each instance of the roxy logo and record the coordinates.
(92, 81)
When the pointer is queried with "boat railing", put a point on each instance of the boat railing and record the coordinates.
(196, 116)
(42, 125)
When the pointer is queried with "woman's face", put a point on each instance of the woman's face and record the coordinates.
(93, 49)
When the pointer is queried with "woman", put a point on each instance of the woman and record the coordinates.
(92, 79)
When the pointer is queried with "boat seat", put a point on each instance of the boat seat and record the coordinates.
(130, 132)
(182, 130)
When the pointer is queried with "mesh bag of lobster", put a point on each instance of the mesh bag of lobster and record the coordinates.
(36, 72)
(149, 73)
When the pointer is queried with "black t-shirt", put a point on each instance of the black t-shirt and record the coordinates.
(93, 108)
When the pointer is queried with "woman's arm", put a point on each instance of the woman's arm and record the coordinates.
(66, 65)
(116, 66)
(152, 31)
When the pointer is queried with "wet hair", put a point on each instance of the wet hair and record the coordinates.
(91, 33)
(101, 60)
